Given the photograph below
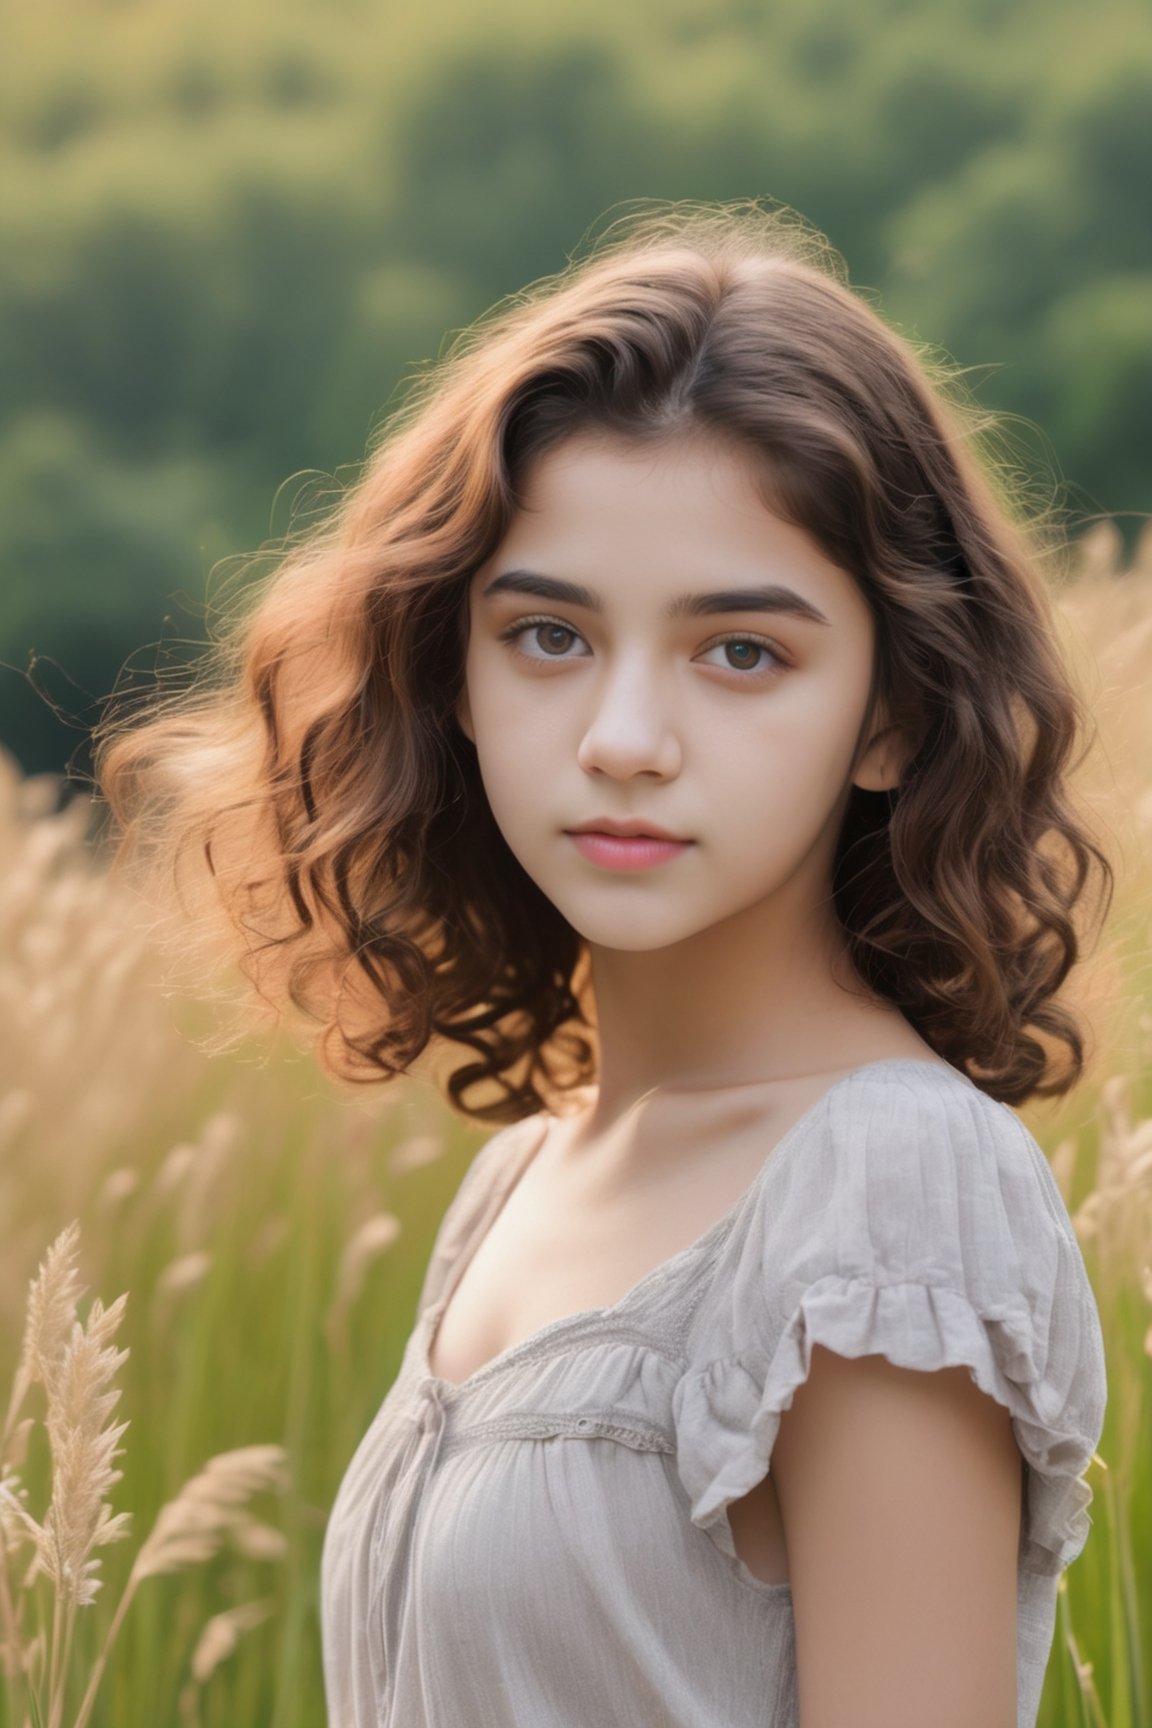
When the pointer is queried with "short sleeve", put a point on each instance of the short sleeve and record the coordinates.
(919, 1220)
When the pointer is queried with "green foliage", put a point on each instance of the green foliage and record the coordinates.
(96, 550)
(228, 234)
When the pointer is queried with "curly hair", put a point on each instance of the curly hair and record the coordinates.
(315, 779)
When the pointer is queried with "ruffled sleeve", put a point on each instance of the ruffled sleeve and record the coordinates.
(917, 1219)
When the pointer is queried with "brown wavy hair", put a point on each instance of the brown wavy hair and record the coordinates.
(313, 801)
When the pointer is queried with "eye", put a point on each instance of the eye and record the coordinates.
(748, 646)
(546, 629)
(550, 634)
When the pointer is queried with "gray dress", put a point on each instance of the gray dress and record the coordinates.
(546, 1545)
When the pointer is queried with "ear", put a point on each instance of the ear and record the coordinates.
(464, 714)
(883, 759)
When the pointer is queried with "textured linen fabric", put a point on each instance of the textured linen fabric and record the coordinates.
(546, 1544)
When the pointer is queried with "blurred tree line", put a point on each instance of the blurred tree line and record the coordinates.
(228, 233)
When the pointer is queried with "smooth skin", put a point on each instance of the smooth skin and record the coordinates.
(743, 731)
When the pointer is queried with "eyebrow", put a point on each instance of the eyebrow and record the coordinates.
(771, 597)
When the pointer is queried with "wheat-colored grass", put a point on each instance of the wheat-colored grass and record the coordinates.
(76, 1362)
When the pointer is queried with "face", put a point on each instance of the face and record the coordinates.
(734, 722)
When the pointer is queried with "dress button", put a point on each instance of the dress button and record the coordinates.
(584, 1422)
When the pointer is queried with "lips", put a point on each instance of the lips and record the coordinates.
(626, 830)
(625, 852)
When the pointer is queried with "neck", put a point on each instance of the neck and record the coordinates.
(769, 994)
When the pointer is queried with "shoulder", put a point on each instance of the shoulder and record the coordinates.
(926, 1175)
(910, 1264)
(906, 1110)
(943, 1335)
(913, 1212)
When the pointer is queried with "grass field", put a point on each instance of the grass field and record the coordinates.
(271, 1232)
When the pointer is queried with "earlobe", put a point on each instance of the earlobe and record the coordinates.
(882, 763)
(880, 769)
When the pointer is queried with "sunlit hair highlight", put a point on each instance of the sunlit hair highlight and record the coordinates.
(313, 802)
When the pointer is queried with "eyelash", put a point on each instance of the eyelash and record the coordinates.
(514, 631)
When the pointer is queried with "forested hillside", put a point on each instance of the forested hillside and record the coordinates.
(228, 232)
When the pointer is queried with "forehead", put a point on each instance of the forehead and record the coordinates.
(688, 513)
(629, 479)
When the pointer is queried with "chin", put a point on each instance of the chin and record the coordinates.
(629, 935)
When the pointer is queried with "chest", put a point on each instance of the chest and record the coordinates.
(564, 1242)
(576, 1227)
(553, 1250)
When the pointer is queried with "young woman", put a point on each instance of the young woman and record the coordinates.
(671, 719)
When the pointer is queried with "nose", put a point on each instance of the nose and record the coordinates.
(630, 730)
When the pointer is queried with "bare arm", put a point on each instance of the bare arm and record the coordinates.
(900, 1495)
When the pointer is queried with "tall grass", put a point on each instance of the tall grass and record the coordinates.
(76, 1363)
(271, 1232)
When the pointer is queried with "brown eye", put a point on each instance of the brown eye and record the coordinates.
(745, 650)
(546, 635)
(549, 634)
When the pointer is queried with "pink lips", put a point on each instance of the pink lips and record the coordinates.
(631, 852)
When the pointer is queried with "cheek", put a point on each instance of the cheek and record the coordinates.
(806, 722)
(515, 762)
(790, 763)
(515, 727)
(495, 699)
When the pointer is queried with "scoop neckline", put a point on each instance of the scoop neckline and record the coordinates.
(502, 1191)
